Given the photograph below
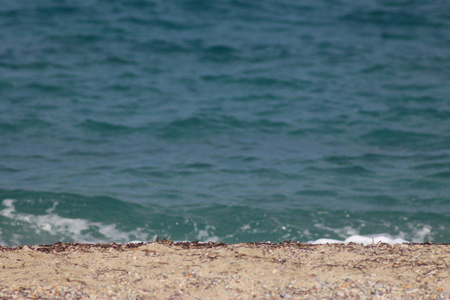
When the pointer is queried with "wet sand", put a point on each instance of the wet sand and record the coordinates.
(191, 270)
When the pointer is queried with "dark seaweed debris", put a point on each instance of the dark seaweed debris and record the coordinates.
(64, 247)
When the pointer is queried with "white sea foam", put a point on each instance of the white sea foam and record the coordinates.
(206, 235)
(366, 240)
(420, 233)
(75, 229)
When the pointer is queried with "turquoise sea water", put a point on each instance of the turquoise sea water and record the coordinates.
(224, 120)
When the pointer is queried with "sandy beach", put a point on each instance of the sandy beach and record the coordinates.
(191, 270)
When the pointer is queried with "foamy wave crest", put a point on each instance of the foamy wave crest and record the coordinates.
(51, 227)
(207, 234)
(351, 235)
(366, 240)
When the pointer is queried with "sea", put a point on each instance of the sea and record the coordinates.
(224, 120)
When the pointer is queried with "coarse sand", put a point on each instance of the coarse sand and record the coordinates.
(192, 270)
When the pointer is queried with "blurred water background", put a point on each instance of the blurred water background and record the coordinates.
(225, 120)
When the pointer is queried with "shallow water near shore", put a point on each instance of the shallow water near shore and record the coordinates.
(231, 121)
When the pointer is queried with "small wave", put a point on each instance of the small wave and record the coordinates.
(33, 66)
(163, 47)
(380, 200)
(434, 165)
(46, 88)
(139, 4)
(53, 227)
(119, 87)
(317, 193)
(4, 169)
(189, 127)
(198, 165)
(220, 53)
(422, 184)
(169, 24)
(151, 172)
(352, 170)
(416, 98)
(390, 138)
(58, 10)
(6, 127)
(244, 159)
(267, 52)
(272, 173)
(104, 127)
(274, 82)
(22, 125)
(350, 234)
(77, 39)
(118, 60)
(83, 153)
(355, 170)
(201, 125)
(257, 98)
(365, 240)
(441, 175)
(261, 82)
(375, 68)
(386, 18)
(429, 113)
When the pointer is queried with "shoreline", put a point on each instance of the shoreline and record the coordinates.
(193, 270)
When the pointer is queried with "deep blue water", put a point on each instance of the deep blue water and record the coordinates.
(224, 120)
